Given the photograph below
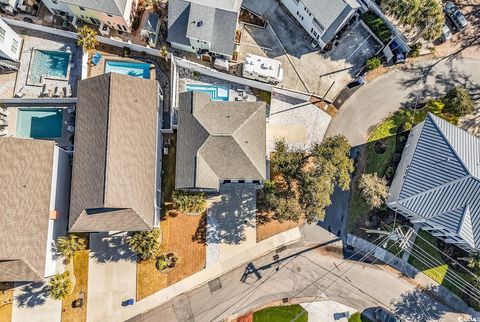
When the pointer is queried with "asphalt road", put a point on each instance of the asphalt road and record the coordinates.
(419, 83)
(302, 273)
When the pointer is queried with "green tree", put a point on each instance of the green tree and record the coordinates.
(164, 52)
(189, 202)
(458, 102)
(424, 15)
(267, 199)
(60, 285)
(287, 161)
(374, 189)
(473, 262)
(69, 244)
(146, 244)
(87, 38)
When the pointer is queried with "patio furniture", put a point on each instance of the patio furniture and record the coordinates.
(45, 90)
(71, 128)
(56, 93)
(96, 58)
(3, 132)
(68, 90)
(19, 94)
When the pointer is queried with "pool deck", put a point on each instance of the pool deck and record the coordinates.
(68, 119)
(42, 41)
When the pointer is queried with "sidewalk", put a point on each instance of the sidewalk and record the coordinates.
(204, 276)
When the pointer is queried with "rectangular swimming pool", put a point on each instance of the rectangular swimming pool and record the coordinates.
(48, 63)
(217, 93)
(128, 68)
(39, 123)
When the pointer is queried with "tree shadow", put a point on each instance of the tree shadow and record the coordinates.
(200, 235)
(229, 217)
(32, 295)
(417, 305)
(110, 248)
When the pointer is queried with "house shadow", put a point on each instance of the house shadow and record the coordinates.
(32, 295)
(110, 248)
(228, 218)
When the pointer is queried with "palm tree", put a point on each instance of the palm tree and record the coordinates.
(87, 38)
(68, 245)
(146, 244)
(60, 286)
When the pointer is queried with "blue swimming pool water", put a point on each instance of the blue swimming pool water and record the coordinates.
(48, 63)
(127, 68)
(217, 93)
(39, 123)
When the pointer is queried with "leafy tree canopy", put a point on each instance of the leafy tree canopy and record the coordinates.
(458, 102)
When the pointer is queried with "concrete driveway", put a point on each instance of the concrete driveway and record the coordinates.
(403, 87)
(231, 226)
(112, 275)
(32, 303)
(332, 70)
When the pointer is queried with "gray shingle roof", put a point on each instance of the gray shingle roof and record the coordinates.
(330, 14)
(25, 191)
(113, 179)
(438, 179)
(219, 141)
(194, 20)
(113, 7)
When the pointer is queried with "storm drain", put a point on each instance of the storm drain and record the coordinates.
(215, 285)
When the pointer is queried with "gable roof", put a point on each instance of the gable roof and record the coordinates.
(25, 192)
(202, 20)
(219, 141)
(330, 14)
(439, 180)
(114, 163)
(113, 7)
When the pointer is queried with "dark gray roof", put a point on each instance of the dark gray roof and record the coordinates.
(152, 22)
(113, 179)
(25, 192)
(219, 141)
(438, 178)
(113, 7)
(193, 20)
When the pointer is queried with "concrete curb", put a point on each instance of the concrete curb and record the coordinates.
(206, 275)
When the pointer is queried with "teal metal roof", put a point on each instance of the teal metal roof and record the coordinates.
(441, 182)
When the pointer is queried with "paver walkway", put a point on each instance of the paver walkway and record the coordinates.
(327, 311)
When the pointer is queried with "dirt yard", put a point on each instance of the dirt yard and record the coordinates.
(6, 299)
(80, 269)
(268, 227)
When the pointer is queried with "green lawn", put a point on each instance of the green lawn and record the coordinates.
(358, 317)
(280, 314)
(438, 272)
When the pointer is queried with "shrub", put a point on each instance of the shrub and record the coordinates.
(126, 51)
(166, 262)
(415, 50)
(374, 189)
(458, 102)
(373, 63)
(143, 53)
(68, 245)
(189, 202)
(60, 285)
(378, 26)
(146, 244)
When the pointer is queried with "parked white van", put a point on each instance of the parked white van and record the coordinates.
(263, 69)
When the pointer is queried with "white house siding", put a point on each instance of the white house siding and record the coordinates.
(122, 23)
(6, 42)
(299, 11)
(59, 200)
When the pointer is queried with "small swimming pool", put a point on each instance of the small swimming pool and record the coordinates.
(217, 93)
(128, 68)
(39, 123)
(48, 63)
